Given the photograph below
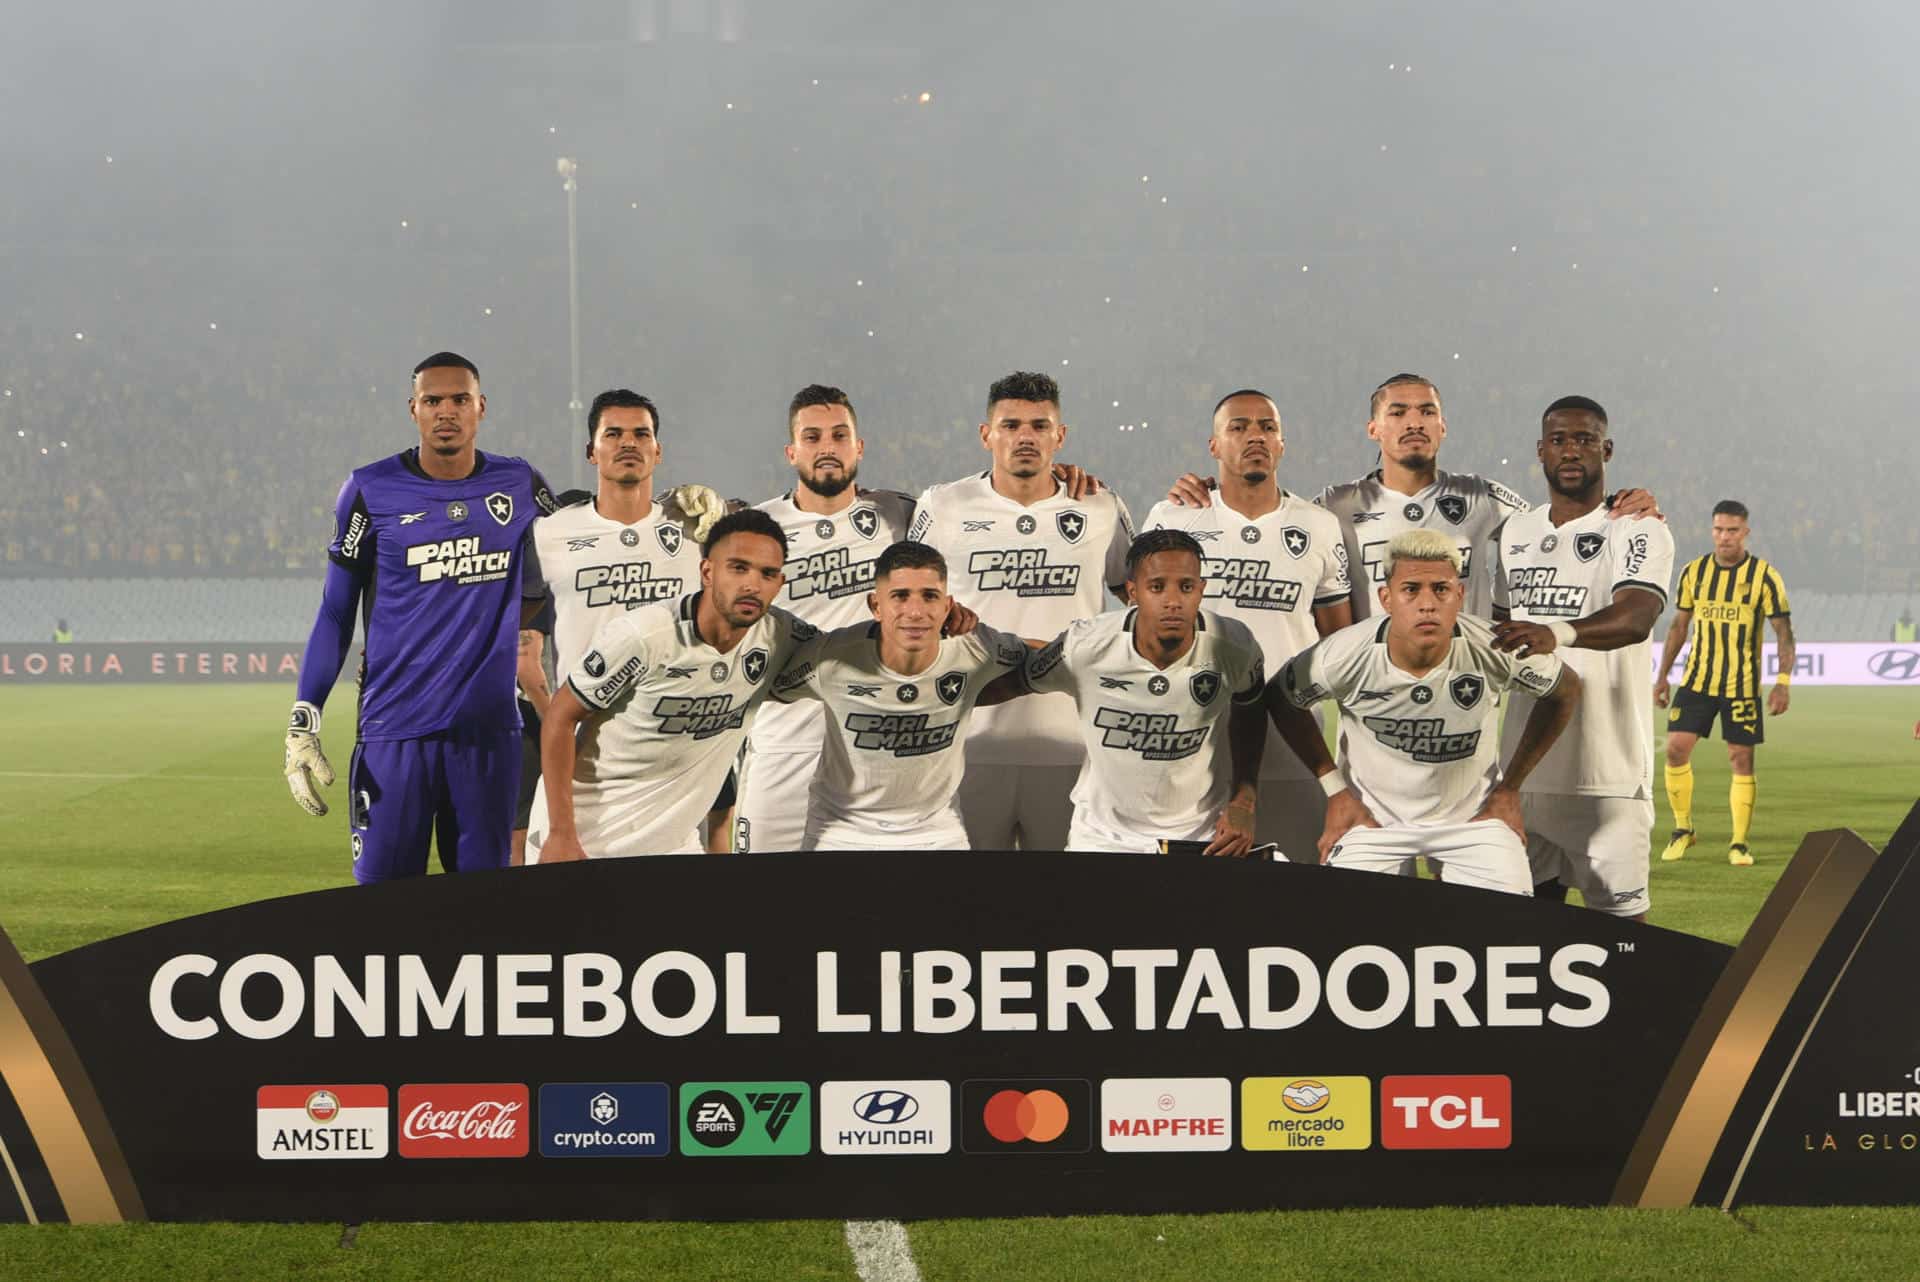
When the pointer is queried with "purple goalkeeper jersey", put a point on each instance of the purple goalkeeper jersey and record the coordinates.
(443, 566)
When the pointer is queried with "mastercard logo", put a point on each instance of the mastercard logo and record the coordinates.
(1012, 1116)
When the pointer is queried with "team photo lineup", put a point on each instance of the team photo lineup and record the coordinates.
(1008, 661)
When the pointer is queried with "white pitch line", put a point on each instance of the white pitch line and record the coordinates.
(880, 1251)
(132, 774)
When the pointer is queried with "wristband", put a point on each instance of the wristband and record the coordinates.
(1562, 634)
(1333, 782)
(305, 719)
(1784, 679)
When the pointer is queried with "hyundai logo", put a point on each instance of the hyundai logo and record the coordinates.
(886, 1108)
(1895, 665)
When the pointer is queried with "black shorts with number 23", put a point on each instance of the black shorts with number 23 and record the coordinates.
(1741, 720)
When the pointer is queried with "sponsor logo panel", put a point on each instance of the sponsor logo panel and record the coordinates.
(886, 1117)
(746, 1119)
(605, 1119)
(295, 1123)
(1026, 1115)
(1458, 1111)
(1306, 1114)
(1166, 1115)
(464, 1119)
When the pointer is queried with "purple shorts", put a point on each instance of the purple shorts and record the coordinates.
(456, 791)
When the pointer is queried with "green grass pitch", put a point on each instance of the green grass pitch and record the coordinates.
(121, 808)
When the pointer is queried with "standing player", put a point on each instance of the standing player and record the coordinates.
(1278, 564)
(1032, 558)
(435, 546)
(664, 693)
(1589, 590)
(897, 696)
(1153, 686)
(1419, 770)
(1723, 597)
(835, 534)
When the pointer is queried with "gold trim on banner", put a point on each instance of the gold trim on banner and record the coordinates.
(55, 1095)
(1740, 1016)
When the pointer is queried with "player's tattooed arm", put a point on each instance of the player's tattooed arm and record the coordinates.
(1784, 648)
(563, 716)
(1676, 637)
(531, 673)
(1627, 620)
(1246, 742)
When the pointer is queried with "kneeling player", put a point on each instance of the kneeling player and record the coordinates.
(898, 695)
(1152, 685)
(1419, 770)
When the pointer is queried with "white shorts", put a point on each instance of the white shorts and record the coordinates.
(1292, 815)
(1031, 803)
(1486, 854)
(1088, 838)
(600, 845)
(1597, 845)
(942, 834)
(771, 811)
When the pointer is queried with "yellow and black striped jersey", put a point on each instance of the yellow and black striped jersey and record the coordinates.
(1730, 604)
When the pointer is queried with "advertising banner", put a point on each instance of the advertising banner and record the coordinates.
(1832, 663)
(141, 661)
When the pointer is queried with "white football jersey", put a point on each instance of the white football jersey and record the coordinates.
(1548, 574)
(1270, 572)
(644, 775)
(1157, 757)
(829, 574)
(1464, 507)
(895, 750)
(595, 565)
(1418, 750)
(1031, 570)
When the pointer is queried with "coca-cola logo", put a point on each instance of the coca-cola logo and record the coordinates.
(463, 1119)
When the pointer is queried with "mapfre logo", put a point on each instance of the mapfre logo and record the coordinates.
(1166, 1114)
(464, 1119)
(1446, 1112)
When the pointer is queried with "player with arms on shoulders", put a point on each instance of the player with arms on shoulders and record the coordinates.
(434, 547)
(1278, 564)
(1419, 770)
(897, 695)
(1723, 597)
(1029, 555)
(1574, 583)
(661, 700)
(1153, 685)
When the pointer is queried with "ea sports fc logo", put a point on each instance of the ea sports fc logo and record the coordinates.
(1012, 1116)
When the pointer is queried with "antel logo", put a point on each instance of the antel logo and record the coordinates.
(1446, 1112)
(464, 1119)
(880, 1118)
(1038, 1115)
(320, 1122)
(1166, 1115)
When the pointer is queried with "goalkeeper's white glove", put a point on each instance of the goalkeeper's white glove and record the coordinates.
(306, 764)
(696, 507)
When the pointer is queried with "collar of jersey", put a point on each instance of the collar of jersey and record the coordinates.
(410, 459)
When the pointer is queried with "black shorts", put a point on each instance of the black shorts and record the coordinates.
(529, 776)
(1742, 721)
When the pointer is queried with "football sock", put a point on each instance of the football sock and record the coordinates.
(1680, 794)
(1740, 794)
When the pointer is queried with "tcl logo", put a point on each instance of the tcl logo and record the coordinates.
(463, 1120)
(1446, 1112)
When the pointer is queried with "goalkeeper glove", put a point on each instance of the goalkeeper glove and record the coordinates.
(306, 764)
(696, 507)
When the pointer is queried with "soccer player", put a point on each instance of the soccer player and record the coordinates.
(1033, 558)
(1419, 770)
(1278, 564)
(1153, 686)
(1723, 597)
(435, 546)
(1588, 589)
(897, 696)
(664, 692)
(836, 532)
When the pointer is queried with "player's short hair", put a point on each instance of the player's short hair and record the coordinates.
(1246, 391)
(1379, 396)
(1154, 542)
(819, 394)
(620, 398)
(1576, 404)
(748, 520)
(1419, 545)
(1730, 507)
(447, 360)
(1024, 385)
(909, 555)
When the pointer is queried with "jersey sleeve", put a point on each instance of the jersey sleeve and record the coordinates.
(1304, 681)
(1045, 671)
(1773, 595)
(1684, 600)
(999, 650)
(1501, 599)
(921, 528)
(1537, 674)
(533, 582)
(619, 656)
(800, 678)
(1643, 558)
(1336, 577)
(1117, 547)
(1505, 502)
(1252, 686)
(352, 546)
